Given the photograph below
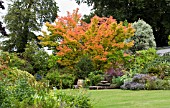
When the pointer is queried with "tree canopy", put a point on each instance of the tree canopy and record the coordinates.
(155, 12)
(24, 17)
(102, 39)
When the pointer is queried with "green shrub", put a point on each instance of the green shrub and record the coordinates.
(144, 38)
(11, 75)
(60, 99)
(37, 57)
(140, 60)
(158, 85)
(19, 63)
(84, 67)
(60, 80)
(14, 95)
(95, 77)
(160, 66)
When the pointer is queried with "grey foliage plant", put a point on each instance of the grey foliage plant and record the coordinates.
(144, 38)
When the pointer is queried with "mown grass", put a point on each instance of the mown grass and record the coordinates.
(128, 99)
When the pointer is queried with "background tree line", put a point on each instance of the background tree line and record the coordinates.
(155, 12)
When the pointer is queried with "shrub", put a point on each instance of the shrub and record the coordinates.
(4, 60)
(117, 82)
(144, 38)
(139, 82)
(19, 92)
(37, 57)
(95, 77)
(132, 86)
(84, 67)
(140, 60)
(19, 63)
(60, 80)
(22, 95)
(52, 62)
(60, 99)
(11, 75)
(160, 66)
(158, 85)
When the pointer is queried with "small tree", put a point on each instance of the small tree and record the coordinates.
(99, 39)
(144, 38)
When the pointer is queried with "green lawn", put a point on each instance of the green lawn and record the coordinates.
(129, 99)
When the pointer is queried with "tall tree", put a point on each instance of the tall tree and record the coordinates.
(102, 40)
(2, 29)
(155, 12)
(24, 17)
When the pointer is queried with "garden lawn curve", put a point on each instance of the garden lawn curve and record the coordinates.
(130, 99)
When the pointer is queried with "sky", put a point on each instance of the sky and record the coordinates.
(70, 5)
(64, 6)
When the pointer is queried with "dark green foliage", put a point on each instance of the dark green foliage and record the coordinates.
(60, 80)
(155, 12)
(24, 17)
(84, 67)
(23, 90)
(2, 29)
(37, 57)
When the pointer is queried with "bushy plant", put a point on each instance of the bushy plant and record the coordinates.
(133, 86)
(37, 57)
(11, 75)
(139, 82)
(19, 63)
(95, 77)
(60, 80)
(60, 99)
(17, 93)
(140, 60)
(144, 38)
(22, 95)
(4, 60)
(160, 66)
(84, 67)
(52, 62)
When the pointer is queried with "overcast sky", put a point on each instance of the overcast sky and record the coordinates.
(70, 5)
(64, 6)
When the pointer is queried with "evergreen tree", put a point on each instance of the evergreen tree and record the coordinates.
(144, 38)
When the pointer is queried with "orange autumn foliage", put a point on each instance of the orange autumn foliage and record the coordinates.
(103, 36)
